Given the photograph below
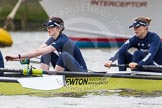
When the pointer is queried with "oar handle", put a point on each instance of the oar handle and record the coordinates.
(117, 65)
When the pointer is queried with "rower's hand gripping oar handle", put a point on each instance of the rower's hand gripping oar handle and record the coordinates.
(145, 67)
(126, 65)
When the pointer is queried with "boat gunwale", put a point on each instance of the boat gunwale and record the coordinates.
(13, 78)
(122, 76)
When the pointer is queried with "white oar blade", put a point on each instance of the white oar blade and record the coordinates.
(43, 83)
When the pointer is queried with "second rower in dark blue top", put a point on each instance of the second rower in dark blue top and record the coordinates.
(66, 57)
(148, 45)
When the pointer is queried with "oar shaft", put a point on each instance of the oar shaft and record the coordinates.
(67, 73)
(31, 71)
(115, 74)
(150, 67)
(8, 80)
(146, 67)
(27, 71)
(10, 70)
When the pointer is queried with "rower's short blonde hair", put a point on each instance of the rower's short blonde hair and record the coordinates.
(143, 19)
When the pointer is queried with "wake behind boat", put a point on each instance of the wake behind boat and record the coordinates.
(23, 82)
(103, 23)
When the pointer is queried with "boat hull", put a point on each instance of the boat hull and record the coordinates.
(87, 84)
(99, 19)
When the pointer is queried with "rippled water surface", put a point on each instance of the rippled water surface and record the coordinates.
(95, 58)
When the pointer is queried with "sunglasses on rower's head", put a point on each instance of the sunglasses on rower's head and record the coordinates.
(138, 23)
(51, 23)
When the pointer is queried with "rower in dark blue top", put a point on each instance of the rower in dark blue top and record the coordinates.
(148, 45)
(61, 51)
(1, 63)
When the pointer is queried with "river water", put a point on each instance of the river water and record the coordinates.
(95, 58)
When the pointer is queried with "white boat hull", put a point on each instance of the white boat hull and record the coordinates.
(103, 18)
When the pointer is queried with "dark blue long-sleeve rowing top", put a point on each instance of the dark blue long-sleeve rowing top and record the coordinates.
(64, 44)
(150, 44)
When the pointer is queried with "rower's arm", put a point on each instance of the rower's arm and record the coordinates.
(124, 48)
(154, 47)
(37, 52)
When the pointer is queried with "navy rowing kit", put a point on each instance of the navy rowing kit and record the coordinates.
(67, 54)
(149, 51)
(1, 63)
